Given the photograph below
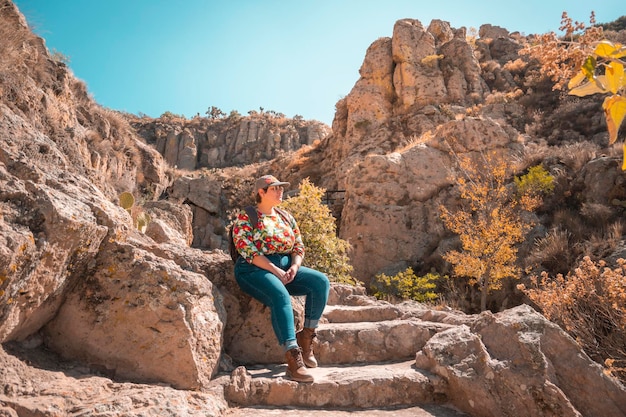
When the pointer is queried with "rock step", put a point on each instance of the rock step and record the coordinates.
(357, 386)
(348, 314)
(382, 341)
(423, 411)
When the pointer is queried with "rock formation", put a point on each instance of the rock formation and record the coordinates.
(227, 141)
(99, 318)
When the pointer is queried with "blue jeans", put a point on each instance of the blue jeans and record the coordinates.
(269, 290)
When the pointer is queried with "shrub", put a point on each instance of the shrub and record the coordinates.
(324, 250)
(141, 219)
(590, 305)
(536, 181)
(215, 113)
(60, 57)
(405, 286)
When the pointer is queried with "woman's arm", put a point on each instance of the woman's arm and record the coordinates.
(262, 262)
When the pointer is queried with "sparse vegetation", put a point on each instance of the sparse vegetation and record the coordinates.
(60, 57)
(324, 250)
(616, 25)
(172, 116)
(405, 285)
(141, 219)
(215, 113)
(590, 304)
(584, 61)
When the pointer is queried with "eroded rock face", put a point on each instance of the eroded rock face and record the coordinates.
(138, 312)
(72, 266)
(392, 200)
(231, 141)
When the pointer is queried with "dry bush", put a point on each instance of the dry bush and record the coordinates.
(534, 153)
(570, 220)
(577, 155)
(590, 305)
(605, 241)
(516, 67)
(616, 37)
(596, 214)
(553, 252)
(561, 57)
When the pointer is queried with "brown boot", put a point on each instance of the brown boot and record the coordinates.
(295, 366)
(305, 339)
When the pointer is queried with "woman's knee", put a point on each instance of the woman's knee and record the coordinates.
(315, 278)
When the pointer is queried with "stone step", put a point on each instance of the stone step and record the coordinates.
(411, 411)
(357, 386)
(388, 340)
(350, 314)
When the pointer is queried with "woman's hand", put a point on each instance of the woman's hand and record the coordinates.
(296, 261)
(290, 274)
(284, 276)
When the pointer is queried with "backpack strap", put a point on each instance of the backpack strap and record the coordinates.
(252, 215)
(282, 213)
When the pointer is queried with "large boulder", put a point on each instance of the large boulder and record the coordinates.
(492, 367)
(138, 312)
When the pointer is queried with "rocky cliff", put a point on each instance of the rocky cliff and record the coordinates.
(227, 141)
(426, 97)
(99, 318)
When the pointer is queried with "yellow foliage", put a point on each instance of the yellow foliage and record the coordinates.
(325, 251)
(489, 224)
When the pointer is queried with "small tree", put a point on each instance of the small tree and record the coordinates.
(324, 250)
(215, 113)
(489, 224)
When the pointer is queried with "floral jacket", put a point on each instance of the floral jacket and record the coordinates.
(272, 234)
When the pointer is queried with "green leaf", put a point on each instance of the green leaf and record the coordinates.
(589, 67)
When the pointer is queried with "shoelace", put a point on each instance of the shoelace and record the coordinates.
(297, 355)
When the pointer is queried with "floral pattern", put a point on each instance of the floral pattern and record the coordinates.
(272, 234)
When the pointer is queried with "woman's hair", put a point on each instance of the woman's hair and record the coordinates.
(257, 197)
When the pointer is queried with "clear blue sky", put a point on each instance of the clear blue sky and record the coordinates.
(294, 57)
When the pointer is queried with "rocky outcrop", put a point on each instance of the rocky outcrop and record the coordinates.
(373, 356)
(427, 97)
(392, 200)
(376, 355)
(75, 274)
(98, 318)
(481, 366)
(35, 382)
(227, 141)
